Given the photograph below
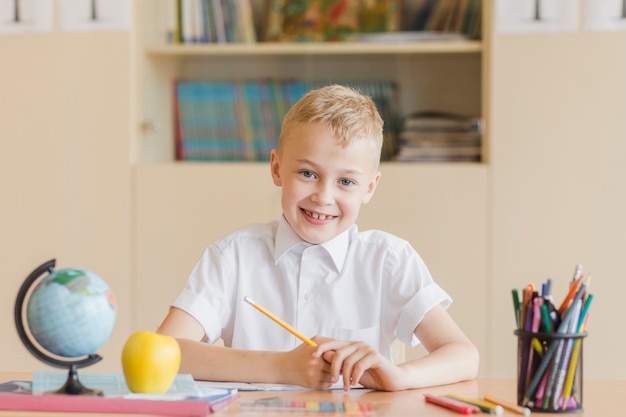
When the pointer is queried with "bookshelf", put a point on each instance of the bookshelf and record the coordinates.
(439, 75)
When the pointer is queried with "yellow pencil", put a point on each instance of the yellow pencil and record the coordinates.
(509, 406)
(571, 369)
(284, 325)
(571, 372)
(537, 345)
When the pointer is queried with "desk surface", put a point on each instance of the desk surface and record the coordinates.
(602, 398)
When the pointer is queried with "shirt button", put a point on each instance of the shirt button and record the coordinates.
(307, 296)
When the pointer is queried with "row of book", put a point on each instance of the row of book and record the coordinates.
(450, 16)
(241, 120)
(211, 21)
(233, 21)
(434, 136)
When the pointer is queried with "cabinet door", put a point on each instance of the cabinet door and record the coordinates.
(64, 169)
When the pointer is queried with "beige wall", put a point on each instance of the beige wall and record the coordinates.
(64, 170)
(558, 182)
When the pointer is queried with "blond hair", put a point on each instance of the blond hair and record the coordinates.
(346, 112)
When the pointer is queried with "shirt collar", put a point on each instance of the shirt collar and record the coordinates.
(287, 239)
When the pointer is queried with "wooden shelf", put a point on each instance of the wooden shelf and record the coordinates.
(318, 48)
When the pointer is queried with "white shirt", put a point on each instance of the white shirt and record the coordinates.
(369, 286)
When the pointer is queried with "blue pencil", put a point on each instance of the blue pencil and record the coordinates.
(548, 293)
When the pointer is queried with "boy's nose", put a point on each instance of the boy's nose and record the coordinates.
(323, 194)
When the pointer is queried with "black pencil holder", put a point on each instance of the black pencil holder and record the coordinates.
(550, 371)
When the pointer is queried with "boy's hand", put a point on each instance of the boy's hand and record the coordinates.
(357, 363)
(302, 368)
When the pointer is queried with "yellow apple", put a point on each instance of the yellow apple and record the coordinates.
(150, 362)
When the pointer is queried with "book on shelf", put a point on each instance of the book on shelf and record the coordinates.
(241, 120)
(449, 16)
(439, 136)
(183, 399)
(438, 153)
(406, 36)
(332, 20)
(430, 120)
(211, 21)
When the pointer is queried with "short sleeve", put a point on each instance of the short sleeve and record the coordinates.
(412, 292)
(414, 311)
(196, 306)
(207, 293)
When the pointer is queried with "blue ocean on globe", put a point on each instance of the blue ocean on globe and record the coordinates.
(71, 312)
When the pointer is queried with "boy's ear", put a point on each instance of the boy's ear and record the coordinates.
(371, 187)
(275, 168)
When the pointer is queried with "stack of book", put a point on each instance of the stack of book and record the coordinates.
(439, 136)
(241, 120)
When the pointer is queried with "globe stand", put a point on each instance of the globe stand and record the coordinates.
(72, 386)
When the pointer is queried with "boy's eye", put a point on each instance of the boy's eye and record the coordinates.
(346, 183)
(307, 174)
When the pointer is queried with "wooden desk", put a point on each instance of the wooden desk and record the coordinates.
(602, 398)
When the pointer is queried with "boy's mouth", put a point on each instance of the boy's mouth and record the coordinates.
(318, 216)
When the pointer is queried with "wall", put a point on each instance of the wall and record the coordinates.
(558, 177)
(64, 177)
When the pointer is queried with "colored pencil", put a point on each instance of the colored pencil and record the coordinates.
(452, 404)
(507, 405)
(554, 346)
(485, 406)
(551, 385)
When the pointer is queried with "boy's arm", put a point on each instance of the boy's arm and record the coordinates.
(216, 363)
(452, 358)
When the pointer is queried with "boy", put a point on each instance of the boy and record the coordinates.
(356, 291)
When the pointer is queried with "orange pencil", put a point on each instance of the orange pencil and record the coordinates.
(572, 292)
(279, 321)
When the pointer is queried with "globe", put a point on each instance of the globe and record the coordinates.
(70, 313)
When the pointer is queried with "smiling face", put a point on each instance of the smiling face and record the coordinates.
(324, 181)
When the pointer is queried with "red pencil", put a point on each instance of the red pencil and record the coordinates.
(452, 404)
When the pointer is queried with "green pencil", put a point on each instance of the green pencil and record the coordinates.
(517, 307)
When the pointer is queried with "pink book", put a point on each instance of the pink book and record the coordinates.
(117, 405)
